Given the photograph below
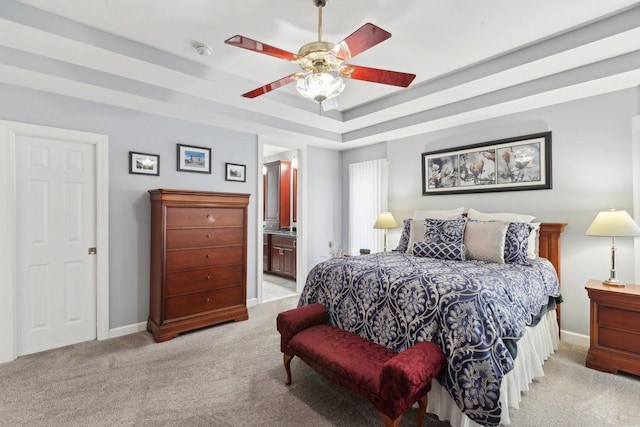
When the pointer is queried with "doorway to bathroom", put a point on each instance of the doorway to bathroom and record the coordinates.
(280, 236)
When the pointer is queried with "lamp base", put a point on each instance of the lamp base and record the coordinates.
(612, 281)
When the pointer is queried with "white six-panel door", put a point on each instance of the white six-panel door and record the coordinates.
(56, 226)
(54, 197)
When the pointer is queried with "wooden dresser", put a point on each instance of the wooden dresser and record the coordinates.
(198, 260)
(615, 328)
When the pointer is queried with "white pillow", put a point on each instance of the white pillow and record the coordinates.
(438, 214)
(484, 240)
(534, 241)
(502, 216)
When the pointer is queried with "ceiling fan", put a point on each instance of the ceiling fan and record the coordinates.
(323, 63)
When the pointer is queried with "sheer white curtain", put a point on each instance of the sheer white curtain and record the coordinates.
(367, 198)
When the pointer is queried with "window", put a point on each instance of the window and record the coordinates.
(367, 198)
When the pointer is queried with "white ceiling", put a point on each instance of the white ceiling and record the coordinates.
(473, 59)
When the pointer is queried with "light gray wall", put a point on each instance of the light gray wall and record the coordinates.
(324, 195)
(592, 171)
(129, 207)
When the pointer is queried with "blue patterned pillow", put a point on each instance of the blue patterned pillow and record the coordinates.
(404, 237)
(516, 243)
(443, 239)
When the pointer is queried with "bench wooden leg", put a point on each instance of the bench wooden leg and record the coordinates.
(422, 409)
(287, 366)
(388, 422)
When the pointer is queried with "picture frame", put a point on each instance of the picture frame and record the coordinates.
(235, 172)
(144, 163)
(193, 159)
(511, 164)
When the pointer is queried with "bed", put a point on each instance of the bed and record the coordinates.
(496, 322)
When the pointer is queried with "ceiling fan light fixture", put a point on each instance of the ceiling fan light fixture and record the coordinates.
(322, 62)
(319, 86)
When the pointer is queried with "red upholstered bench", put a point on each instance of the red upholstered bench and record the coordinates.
(392, 381)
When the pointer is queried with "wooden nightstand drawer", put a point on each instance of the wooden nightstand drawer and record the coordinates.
(615, 328)
(625, 320)
(619, 340)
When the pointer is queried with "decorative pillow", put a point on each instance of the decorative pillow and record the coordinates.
(516, 242)
(484, 240)
(417, 230)
(511, 217)
(439, 214)
(403, 244)
(443, 239)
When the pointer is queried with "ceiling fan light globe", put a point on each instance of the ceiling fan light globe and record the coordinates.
(320, 87)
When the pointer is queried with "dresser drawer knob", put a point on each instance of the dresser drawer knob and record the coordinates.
(209, 236)
(207, 300)
(208, 255)
(208, 277)
(210, 217)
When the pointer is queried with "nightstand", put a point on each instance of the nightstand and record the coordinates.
(615, 328)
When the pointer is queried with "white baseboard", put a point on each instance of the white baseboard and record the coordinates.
(142, 326)
(126, 330)
(573, 338)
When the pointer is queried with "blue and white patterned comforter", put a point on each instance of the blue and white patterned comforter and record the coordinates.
(470, 308)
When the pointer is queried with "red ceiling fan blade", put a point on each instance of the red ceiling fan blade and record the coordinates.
(376, 75)
(271, 86)
(360, 40)
(256, 46)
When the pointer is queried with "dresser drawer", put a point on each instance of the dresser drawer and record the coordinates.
(201, 302)
(199, 237)
(207, 278)
(202, 217)
(201, 258)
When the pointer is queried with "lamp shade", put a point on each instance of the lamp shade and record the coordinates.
(613, 223)
(385, 220)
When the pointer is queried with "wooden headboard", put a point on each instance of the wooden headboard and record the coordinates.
(550, 248)
(550, 242)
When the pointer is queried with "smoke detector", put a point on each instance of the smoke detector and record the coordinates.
(203, 49)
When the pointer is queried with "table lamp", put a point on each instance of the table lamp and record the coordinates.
(613, 224)
(385, 221)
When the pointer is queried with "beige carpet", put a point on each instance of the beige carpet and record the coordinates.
(232, 375)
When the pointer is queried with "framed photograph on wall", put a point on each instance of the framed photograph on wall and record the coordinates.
(144, 163)
(519, 163)
(235, 172)
(194, 159)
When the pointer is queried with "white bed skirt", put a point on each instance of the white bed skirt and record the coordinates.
(533, 349)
